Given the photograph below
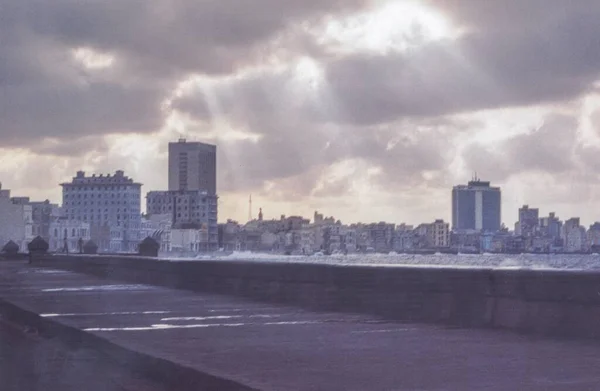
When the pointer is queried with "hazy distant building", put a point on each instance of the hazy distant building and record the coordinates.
(111, 206)
(192, 166)
(42, 214)
(439, 234)
(67, 233)
(476, 206)
(593, 236)
(574, 236)
(528, 220)
(550, 226)
(192, 209)
(16, 220)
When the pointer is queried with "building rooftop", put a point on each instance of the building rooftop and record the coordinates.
(476, 184)
(119, 177)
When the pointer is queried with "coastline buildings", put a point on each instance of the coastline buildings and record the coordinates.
(67, 232)
(110, 204)
(529, 220)
(574, 236)
(16, 220)
(191, 199)
(42, 215)
(192, 166)
(439, 234)
(476, 206)
(189, 209)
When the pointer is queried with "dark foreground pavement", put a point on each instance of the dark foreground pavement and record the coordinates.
(271, 347)
(32, 363)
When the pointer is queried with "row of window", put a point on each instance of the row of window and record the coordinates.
(158, 208)
(192, 215)
(68, 211)
(91, 217)
(103, 187)
(72, 203)
(169, 200)
(106, 195)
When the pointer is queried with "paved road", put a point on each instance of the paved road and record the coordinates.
(271, 347)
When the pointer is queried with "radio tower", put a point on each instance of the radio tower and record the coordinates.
(250, 208)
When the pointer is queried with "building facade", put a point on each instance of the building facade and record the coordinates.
(439, 234)
(15, 221)
(190, 209)
(593, 236)
(42, 214)
(551, 226)
(528, 221)
(574, 236)
(476, 206)
(110, 204)
(67, 233)
(192, 166)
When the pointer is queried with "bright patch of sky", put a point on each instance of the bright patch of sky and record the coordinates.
(391, 26)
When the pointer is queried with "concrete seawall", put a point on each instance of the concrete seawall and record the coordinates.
(546, 302)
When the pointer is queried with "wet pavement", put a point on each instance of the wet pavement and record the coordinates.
(271, 347)
(31, 363)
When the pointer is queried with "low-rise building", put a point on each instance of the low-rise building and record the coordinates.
(439, 234)
(190, 209)
(307, 240)
(16, 221)
(466, 240)
(574, 236)
(188, 240)
(593, 236)
(65, 235)
(229, 236)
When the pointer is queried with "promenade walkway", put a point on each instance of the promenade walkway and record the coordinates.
(271, 347)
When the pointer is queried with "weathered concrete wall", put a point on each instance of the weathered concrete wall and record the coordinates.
(557, 303)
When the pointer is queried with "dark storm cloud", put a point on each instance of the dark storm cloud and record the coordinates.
(379, 108)
(551, 61)
(551, 56)
(170, 36)
(46, 93)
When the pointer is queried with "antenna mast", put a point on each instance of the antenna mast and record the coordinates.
(250, 208)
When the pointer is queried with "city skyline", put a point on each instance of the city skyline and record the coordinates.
(477, 211)
(366, 110)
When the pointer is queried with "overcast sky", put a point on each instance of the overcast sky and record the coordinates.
(366, 110)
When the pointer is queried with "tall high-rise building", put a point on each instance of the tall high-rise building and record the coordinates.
(192, 166)
(476, 206)
(111, 206)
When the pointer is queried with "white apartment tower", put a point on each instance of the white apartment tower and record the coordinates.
(192, 166)
(111, 206)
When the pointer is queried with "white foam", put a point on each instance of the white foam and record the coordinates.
(105, 313)
(486, 260)
(166, 326)
(183, 318)
(99, 288)
(383, 331)
(162, 326)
